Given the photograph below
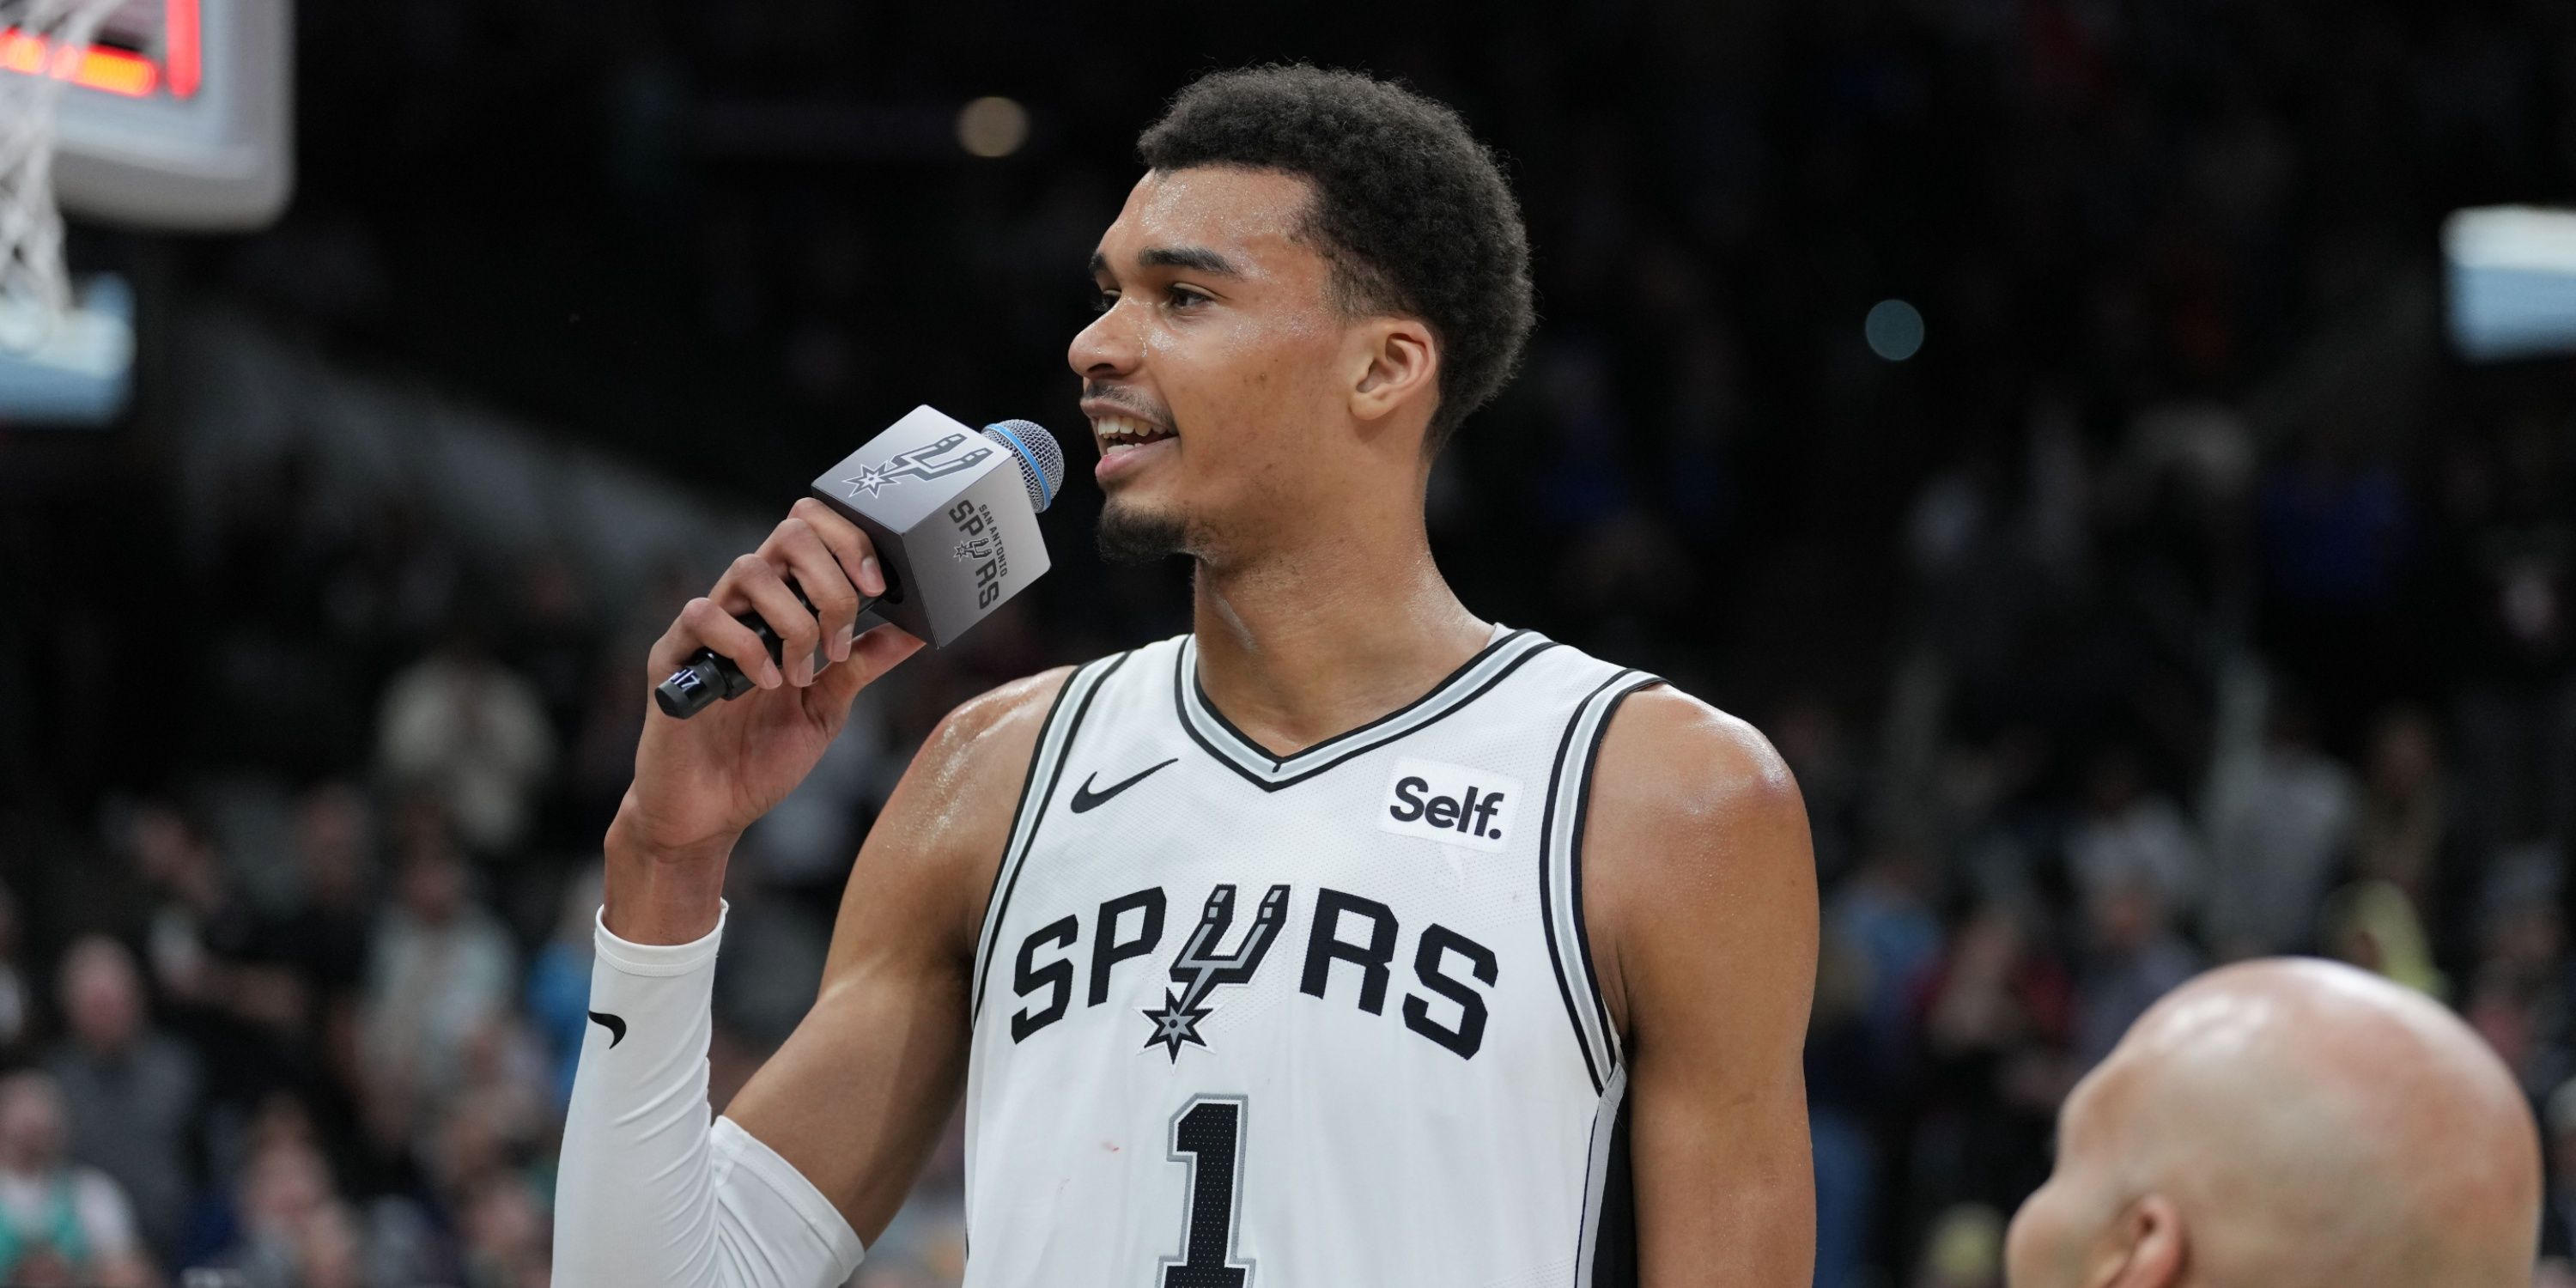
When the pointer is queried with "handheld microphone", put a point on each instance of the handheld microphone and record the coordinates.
(952, 513)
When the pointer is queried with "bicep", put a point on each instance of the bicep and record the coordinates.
(1725, 1184)
(1705, 891)
(857, 1097)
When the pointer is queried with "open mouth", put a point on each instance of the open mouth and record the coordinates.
(1119, 435)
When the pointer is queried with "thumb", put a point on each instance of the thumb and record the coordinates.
(871, 655)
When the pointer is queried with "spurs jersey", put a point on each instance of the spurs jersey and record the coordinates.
(1325, 1020)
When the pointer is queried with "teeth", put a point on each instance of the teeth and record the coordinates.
(1116, 431)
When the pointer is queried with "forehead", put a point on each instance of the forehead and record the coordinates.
(1250, 216)
(2080, 1120)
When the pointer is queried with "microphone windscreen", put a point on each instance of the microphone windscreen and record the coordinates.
(1040, 458)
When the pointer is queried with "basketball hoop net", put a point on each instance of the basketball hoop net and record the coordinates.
(41, 45)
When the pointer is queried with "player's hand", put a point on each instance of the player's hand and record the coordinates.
(700, 782)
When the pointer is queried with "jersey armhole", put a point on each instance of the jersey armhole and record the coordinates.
(1560, 858)
(1046, 767)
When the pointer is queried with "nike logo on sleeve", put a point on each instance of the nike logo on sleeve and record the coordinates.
(616, 1026)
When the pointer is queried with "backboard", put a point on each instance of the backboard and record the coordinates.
(2512, 280)
(179, 114)
(174, 115)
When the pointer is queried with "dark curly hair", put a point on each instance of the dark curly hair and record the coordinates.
(1411, 211)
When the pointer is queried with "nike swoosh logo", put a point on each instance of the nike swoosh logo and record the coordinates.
(616, 1027)
(1086, 800)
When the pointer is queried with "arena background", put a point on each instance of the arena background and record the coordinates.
(2035, 416)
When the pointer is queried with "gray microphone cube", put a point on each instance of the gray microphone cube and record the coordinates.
(950, 519)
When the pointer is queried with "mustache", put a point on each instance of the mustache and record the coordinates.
(1124, 401)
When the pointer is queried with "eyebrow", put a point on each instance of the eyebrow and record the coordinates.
(1195, 258)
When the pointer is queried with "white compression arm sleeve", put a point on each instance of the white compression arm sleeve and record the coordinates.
(648, 1195)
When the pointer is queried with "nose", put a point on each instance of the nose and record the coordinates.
(1106, 349)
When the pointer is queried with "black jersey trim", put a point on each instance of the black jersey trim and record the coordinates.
(1270, 773)
(1020, 810)
(1556, 957)
(1574, 859)
(1015, 857)
(1491, 647)
(1605, 1249)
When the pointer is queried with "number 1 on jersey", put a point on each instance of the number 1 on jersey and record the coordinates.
(1208, 1135)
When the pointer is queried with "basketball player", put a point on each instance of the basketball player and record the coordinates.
(2290, 1124)
(1346, 940)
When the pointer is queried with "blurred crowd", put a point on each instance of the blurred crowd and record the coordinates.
(309, 1014)
(2181, 601)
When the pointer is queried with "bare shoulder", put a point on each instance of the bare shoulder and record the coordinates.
(1695, 843)
(929, 860)
(994, 730)
(1673, 763)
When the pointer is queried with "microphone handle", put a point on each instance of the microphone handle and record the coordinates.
(709, 675)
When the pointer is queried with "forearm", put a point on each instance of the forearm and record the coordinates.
(651, 1194)
(655, 895)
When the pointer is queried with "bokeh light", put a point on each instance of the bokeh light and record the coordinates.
(992, 127)
(1894, 330)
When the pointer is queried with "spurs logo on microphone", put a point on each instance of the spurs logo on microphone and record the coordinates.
(1200, 968)
(981, 545)
(929, 462)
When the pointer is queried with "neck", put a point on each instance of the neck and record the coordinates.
(1303, 644)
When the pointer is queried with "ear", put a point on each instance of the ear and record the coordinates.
(2151, 1251)
(1397, 365)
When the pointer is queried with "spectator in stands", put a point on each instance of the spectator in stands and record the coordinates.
(1843, 1093)
(1882, 915)
(2522, 992)
(473, 734)
(326, 933)
(2280, 818)
(2404, 832)
(285, 1189)
(130, 1092)
(60, 1222)
(506, 1241)
(1965, 1249)
(1997, 1015)
(2132, 957)
(2130, 833)
(441, 968)
(192, 901)
(2373, 925)
(331, 1250)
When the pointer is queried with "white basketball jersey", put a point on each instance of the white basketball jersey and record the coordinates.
(1326, 1020)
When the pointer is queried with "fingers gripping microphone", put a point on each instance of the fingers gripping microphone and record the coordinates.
(952, 513)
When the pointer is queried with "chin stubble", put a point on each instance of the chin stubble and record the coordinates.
(1127, 537)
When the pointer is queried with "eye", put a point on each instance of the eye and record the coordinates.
(1182, 297)
(1103, 301)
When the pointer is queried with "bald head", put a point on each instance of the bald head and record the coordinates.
(2289, 1123)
